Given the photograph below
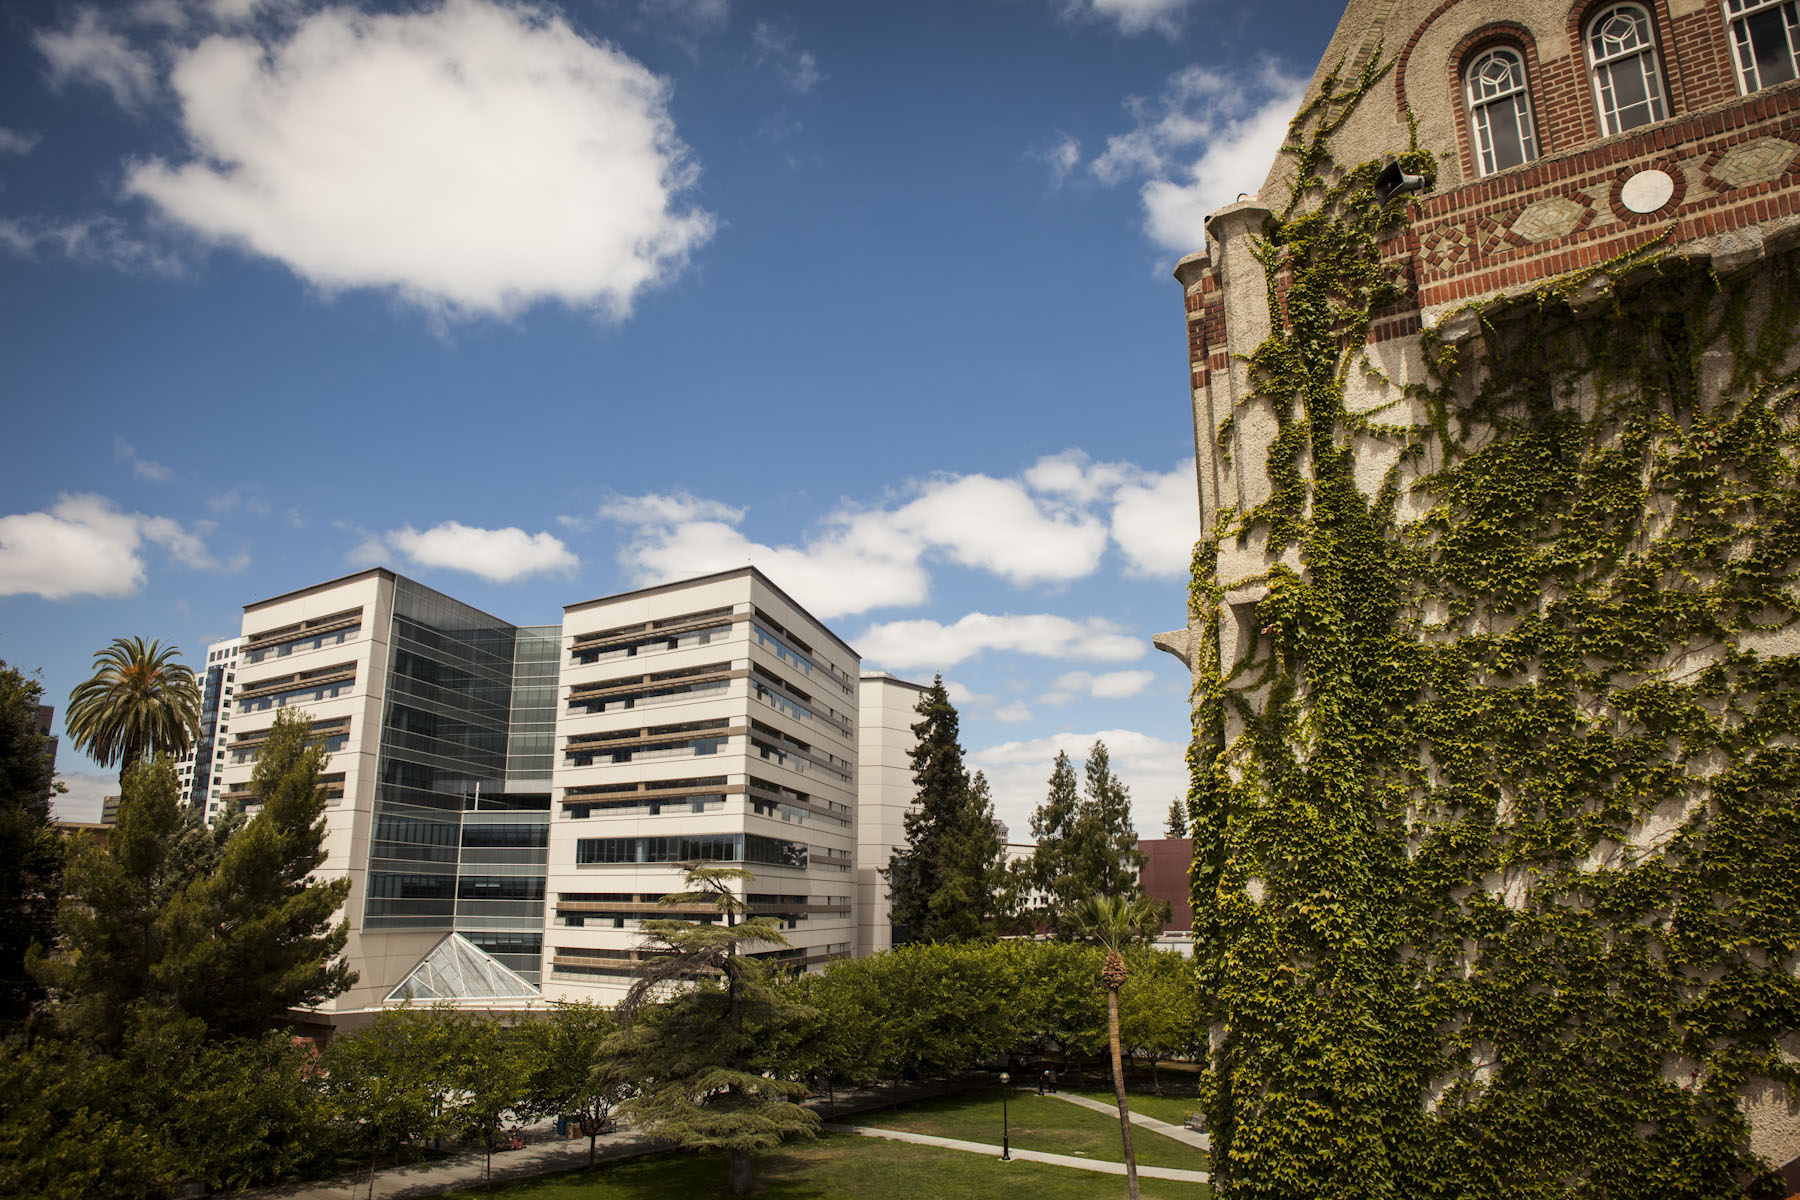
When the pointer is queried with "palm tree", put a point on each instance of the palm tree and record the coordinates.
(1114, 922)
(142, 701)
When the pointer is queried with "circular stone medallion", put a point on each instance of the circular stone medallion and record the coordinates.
(1647, 191)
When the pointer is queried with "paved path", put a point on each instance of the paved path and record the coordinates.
(1180, 1133)
(1057, 1160)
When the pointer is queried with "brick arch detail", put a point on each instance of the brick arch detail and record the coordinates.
(1661, 29)
(1503, 33)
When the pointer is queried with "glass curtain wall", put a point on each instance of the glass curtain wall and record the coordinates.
(462, 809)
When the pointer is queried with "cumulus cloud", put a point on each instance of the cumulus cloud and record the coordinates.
(14, 142)
(1132, 16)
(91, 52)
(86, 546)
(1112, 685)
(776, 49)
(497, 555)
(474, 158)
(1210, 135)
(1049, 526)
(932, 645)
(1154, 768)
(1013, 714)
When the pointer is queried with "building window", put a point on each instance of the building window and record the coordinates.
(1765, 39)
(1499, 110)
(1621, 50)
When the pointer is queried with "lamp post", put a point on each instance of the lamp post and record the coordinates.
(1005, 1120)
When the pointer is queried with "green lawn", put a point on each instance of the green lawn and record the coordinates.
(1038, 1123)
(837, 1165)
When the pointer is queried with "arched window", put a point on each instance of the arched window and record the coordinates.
(1499, 110)
(1621, 52)
(1765, 38)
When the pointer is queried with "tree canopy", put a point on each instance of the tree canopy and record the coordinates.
(31, 854)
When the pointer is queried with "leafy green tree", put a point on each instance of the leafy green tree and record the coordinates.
(392, 1082)
(141, 701)
(490, 1068)
(31, 854)
(1160, 1015)
(945, 882)
(255, 937)
(1112, 923)
(111, 938)
(1177, 826)
(1107, 857)
(576, 1067)
(693, 1052)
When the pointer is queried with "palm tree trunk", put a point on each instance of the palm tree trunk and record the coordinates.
(1118, 1074)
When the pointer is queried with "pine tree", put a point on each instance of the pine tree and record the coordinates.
(945, 882)
(111, 941)
(1052, 827)
(31, 855)
(1108, 856)
(692, 1054)
(1177, 827)
(254, 937)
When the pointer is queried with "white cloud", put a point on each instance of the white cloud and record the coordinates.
(1062, 156)
(89, 52)
(1013, 714)
(474, 158)
(1019, 772)
(85, 795)
(497, 555)
(1049, 526)
(143, 468)
(1156, 521)
(1132, 16)
(961, 695)
(697, 16)
(86, 546)
(932, 645)
(776, 49)
(1211, 135)
(14, 142)
(97, 240)
(1112, 685)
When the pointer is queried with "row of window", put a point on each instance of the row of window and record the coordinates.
(1624, 72)
(727, 847)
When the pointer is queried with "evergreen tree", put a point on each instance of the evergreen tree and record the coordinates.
(1177, 827)
(31, 854)
(111, 941)
(693, 1053)
(945, 882)
(1106, 855)
(254, 937)
(1054, 828)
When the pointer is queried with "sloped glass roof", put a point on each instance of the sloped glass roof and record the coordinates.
(456, 969)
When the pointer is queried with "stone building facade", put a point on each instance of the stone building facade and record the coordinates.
(1610, 215)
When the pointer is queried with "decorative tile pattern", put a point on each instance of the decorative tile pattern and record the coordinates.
(1554, 217)
(1754, 162)
(1444, 245)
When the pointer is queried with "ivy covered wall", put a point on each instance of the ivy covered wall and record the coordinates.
(1495, 776)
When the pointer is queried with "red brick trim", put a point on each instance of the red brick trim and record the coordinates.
(1405, 55)
(1515, 37)
(1674, 94)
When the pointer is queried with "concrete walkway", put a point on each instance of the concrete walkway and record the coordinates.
(1055, 1160)
(1200, 1141)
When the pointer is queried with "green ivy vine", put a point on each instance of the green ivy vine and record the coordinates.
(1497, 850)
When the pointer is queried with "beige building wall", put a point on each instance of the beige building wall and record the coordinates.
(281, 655)
(732, 713)
(884, 792)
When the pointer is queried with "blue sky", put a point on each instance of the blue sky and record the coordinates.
(540, 303)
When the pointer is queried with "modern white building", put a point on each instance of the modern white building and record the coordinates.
(200, 769)
(510, 802)
(885, 790)
(708, 721)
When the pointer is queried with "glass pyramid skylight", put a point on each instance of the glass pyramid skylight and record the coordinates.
(456, 969)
